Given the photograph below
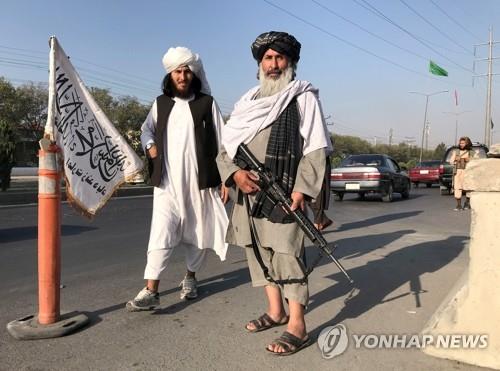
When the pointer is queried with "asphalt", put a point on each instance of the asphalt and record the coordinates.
(404, 257)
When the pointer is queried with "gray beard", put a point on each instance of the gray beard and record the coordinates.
(270, 86)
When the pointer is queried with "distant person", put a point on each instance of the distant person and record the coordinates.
(459, 159)
(181, 138)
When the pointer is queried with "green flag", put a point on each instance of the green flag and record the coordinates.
(436, 70)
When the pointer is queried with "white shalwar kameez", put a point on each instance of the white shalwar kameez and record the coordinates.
(182, 213)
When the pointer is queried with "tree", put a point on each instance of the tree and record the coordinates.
(129, 114)
(105, 101)
(8, 106)
(31, 109)
(439, 151)
(126, 113)
(7, 150)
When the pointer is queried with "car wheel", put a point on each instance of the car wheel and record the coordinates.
(444, 191)
(387, 197)
(429, 185)
(415, 184)
(361, 195)
(406, 192)
(338, 196)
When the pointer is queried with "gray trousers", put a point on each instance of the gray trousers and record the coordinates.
(281, 267)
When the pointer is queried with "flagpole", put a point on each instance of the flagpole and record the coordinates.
(49, 125)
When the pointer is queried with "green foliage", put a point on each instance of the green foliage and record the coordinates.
(7, 142)
(404, 154)
(25, 109)
(7, 149)
(8, 103)
(126, 113)
(439, 151)
(32, 110)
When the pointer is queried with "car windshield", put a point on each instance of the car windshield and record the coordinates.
(363, 160)
(432, 164)
(479, 152)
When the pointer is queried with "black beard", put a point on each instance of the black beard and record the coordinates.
(184, 95)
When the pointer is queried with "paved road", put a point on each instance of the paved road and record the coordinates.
(391, 250)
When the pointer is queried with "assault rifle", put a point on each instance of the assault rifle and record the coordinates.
(267, 183)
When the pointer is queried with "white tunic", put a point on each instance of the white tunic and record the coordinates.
(191, 216)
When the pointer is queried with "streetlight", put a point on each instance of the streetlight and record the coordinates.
(456, 122)
(425, 115)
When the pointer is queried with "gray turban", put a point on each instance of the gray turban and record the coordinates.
(280, 42)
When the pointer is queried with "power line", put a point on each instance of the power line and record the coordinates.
(43, 61)
(369, 32)
(453, 20)
(470, 15)
(135, 77)
(352, 44)
(434, 26)
(378, 13)
(92, 73)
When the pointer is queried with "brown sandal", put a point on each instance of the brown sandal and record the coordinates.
(265, 322)
(290, 343)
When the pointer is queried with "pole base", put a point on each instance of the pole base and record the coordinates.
(28, 328)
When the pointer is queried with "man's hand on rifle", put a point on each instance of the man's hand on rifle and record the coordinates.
(246, 181)
(297, 201)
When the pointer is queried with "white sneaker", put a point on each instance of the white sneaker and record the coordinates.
(145, 300)
(189, 288)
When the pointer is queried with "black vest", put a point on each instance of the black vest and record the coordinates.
(206, 140)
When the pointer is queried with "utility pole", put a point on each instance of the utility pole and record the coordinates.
(489, 75)
(409, 141)
(391, 132)
(427, 131)
(427, 95)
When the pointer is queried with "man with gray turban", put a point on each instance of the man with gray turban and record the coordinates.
(282, 124)
(181, 138)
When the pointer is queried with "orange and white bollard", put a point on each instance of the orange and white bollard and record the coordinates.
(49, 235)
(49, 323)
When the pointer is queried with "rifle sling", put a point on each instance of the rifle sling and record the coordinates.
(258, 256)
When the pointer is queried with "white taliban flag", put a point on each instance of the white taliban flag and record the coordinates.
(97, 160)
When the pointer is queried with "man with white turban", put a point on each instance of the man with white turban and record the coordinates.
(181, 138)
(282, 124)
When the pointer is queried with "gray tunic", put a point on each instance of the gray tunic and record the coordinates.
(282, 238)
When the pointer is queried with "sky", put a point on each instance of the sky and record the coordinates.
(364, 56)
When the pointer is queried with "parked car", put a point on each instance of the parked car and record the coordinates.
(446, 169)
(426, 172)
(371, 173)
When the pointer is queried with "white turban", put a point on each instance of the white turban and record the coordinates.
(181, 56)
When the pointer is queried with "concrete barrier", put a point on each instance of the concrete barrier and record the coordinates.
(473, 306)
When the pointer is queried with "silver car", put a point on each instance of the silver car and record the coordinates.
(370, 173)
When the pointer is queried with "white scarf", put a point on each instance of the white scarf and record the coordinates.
(250, 116)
